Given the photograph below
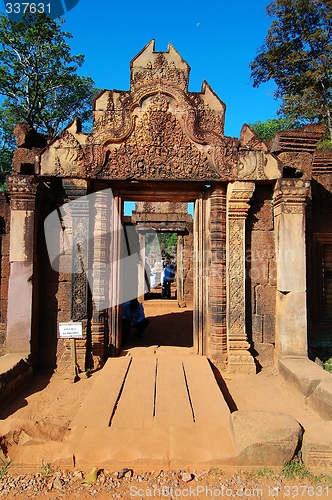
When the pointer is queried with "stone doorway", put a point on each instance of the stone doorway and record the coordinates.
(181, 311)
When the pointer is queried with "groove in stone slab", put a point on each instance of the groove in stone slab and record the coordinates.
(155, 389)
(187, 387)
(120, 393)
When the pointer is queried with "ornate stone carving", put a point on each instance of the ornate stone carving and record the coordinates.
(99, 278)
(218, 274)
(238, 196)
(76, 190)
(156, 131)
(290, 196)
(22, 191)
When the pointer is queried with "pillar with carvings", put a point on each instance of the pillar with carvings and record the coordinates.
(290, 197)
(218, 336)
(99, 277)
(76, 191)
(239, 194)
(23, 279)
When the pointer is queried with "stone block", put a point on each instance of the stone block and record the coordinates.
(265, 299)
(272, 272)
(291, 325)
(257, 328)
(317, 446)
(262, 244)
(264, 438)
(5, 267)
(321, 399)
(265, 354)
(259, 272)
(268, 329)
(4, 289)
(302, 374)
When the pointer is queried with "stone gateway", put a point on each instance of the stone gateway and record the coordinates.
(254, 260)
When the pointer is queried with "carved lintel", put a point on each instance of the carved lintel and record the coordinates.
(22, 191)
(238, 196)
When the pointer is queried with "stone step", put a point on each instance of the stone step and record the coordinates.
(168, 411)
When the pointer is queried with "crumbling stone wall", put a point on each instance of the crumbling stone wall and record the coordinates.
(4, 267)
(261, 275)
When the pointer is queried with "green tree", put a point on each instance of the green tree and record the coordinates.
(297, 55)
(266, 130)
(38, 78)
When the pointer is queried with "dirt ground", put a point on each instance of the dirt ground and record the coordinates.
(53, 399)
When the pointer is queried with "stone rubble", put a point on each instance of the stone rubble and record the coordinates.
(66, 482)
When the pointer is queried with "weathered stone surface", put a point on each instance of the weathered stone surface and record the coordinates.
(268, 328)
(264, 438)
(302, 374)
(317, 446)
(257, 328)
(265, 299)
(265, 355)
(321, 398)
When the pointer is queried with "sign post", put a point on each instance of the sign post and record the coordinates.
(72, 331)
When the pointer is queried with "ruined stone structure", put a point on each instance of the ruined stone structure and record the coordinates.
(259, 244)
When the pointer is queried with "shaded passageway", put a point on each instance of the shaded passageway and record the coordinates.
(169, 326)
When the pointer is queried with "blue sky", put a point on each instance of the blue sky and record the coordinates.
(217, 38)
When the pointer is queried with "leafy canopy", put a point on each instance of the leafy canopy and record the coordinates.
(38, 74)
(38, 80)
(297, 55)
(266, 130)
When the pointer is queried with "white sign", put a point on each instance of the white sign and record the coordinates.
(70, 330)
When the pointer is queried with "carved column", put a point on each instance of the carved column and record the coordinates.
(291, 307)
(239, 358)
(115, 291)
(21, 324)
(76, 190)
(99, 277)
(218, 338)
(201, 278)
(179, 271)
(142, 286)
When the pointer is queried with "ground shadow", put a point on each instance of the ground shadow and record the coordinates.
(38, 382)
(223, 388)
(170, 329)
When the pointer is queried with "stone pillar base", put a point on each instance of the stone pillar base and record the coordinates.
(241, 362)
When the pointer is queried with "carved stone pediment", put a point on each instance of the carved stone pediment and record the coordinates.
(158, 130)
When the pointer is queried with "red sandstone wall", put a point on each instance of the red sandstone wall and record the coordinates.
(261, 275)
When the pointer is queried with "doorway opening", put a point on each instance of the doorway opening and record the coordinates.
(165, 234)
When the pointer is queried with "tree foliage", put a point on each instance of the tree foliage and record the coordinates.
(266, 130)
(38, 79)
(297, 55)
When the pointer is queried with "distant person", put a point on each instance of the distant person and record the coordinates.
(153, 277)
(133, 317)
(168, 279)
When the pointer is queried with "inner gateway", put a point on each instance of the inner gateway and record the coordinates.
(176, 214)
(164, 234)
